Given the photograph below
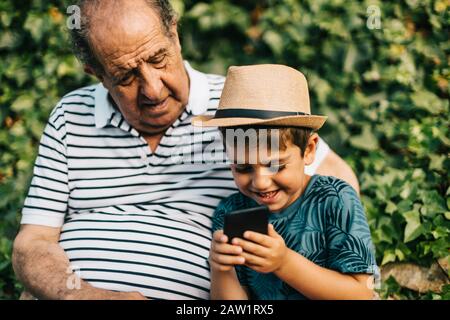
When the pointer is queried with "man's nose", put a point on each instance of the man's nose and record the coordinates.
(151, 84)
(262, 179)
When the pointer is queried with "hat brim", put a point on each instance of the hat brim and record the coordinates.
(308, 121)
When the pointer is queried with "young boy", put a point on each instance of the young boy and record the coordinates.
(318, 244)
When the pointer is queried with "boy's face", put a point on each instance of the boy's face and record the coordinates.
(278, 180)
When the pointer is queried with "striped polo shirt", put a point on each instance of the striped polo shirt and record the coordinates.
(132, 219)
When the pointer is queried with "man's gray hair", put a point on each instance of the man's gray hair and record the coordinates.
(79, 37)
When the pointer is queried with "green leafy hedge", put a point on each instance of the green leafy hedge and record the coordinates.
(386, 92)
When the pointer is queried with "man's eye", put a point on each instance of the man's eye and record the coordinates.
(126, 80)
(159, 62)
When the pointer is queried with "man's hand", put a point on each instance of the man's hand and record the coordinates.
(101, 294)
(107, 295)
(262, 253)
(224, 256)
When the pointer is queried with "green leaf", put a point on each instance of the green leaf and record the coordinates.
(413, 227)
(365, 141)
(388, 256)
(8, 40)
(178, 6)
(274, 40)
(391, 207)
(22, 103)
(399, 254)
(440, 232)
(437, 162)
(428, 101)
(35, 25)
(433, 202)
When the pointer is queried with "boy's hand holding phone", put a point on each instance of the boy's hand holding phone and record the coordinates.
(262, 253)
(250, 245)
(224, 256)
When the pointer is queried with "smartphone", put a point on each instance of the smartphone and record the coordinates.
(239, 221)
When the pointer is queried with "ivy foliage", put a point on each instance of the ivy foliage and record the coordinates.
(379, 70)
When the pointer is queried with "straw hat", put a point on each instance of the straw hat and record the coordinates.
(266, 94)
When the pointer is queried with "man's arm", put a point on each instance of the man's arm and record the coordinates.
(41, 264)
(335, 166)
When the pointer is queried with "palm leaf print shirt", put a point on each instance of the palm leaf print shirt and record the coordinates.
(326, 225)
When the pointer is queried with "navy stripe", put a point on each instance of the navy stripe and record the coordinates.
(146, 275)
(51, 179)
(132, 241)
(160, 190)
(106, 147)
(53, 169)
(53, 138)
(139, 232)
(140, 263)
(53, 149)
(142, 286)
(50, 158)
(44, 209)
(49, 189)
(136, 252)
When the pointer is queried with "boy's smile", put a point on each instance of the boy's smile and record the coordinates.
(276, 182)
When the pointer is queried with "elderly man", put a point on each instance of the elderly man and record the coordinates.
(111, 213)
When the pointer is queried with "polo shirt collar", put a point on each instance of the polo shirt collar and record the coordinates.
(198, 91)
(104, 109)
(197, 103)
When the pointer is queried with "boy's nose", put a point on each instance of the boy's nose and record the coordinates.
(261, 180)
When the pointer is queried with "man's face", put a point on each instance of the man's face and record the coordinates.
(143, 67)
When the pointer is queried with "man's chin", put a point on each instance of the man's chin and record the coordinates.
(152, 129)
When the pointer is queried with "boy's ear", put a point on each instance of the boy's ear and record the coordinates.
(310, 150)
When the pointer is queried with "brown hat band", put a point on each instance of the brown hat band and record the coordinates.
(255, 113)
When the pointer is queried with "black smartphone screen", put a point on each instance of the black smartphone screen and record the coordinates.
(239, 221)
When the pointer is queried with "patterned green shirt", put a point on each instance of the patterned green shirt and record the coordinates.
(326, 225)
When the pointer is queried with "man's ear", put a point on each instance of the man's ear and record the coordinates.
(310, 149)
(174, 34)
(89, 70)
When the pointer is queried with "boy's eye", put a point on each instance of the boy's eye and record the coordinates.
(242, 168)
(274, 168)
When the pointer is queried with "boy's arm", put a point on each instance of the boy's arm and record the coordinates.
(268, 253)
(225, 286)
(316, 282)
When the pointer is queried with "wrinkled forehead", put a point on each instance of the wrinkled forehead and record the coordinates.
(124, 31)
